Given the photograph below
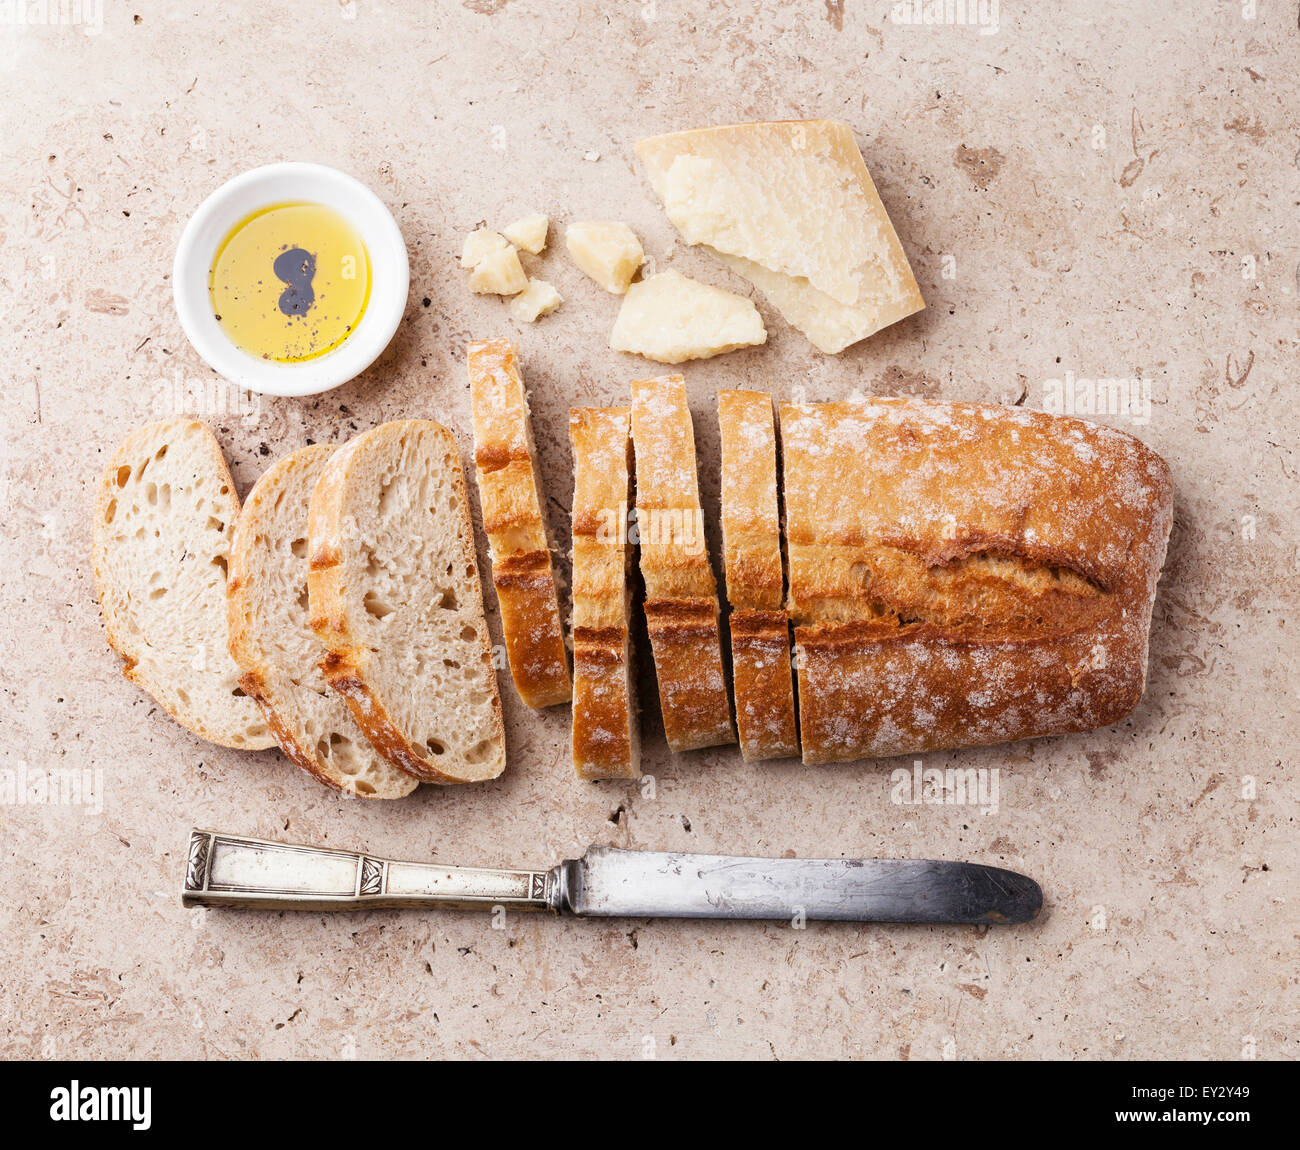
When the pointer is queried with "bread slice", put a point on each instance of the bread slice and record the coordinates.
(751, 546)
(606, 738)
(681, 596)
(965, 573)
(396, 599)
(510, 493)
(272, 641)
(165, 512)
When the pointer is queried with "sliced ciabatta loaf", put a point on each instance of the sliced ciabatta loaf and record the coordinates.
(606, 738)
(751, 548)
(272, 641)
(164, 515)
(510, 493)
(396, 599)
(681, 596)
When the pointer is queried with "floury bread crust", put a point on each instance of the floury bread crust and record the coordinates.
(681, 596)
(395, 598)
(606, 735)
(165, 513)
(272, 641)
(751, 546)
(510, 494)
(965, 574)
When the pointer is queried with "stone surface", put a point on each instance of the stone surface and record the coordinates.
(1088, 192)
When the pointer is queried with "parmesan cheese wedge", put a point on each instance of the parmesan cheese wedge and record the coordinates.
(791, 207)
(670, 318)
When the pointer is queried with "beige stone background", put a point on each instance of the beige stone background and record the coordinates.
(1116, 185)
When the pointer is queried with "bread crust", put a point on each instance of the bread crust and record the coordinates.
(762, 677)
(681, 603)
(965, 574)
(346, 664)
(605, 721)
(119, 635)
(510, 495)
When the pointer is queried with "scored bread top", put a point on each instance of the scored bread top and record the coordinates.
(606, 740)
(510, 493)
(272, 640)
(965, 573)
(164, 516)
(503, 451)
(674, 557)
(751, 519)
(599, 436)
(762, 678)
(681, 600)
(917, 490)
(396, 599)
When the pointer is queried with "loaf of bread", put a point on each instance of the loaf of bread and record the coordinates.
(751, 546)
(510, 493)
(395, 597)
(606, 738)
(965, 574)
(681, 596)
(272, 641)
(165, 512)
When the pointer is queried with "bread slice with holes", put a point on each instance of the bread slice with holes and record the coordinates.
(510, 493)
(272, 641)
(606, 735)
(965, 573)
(681, 595)
(395, 597)
(165, 513)
(751, 547)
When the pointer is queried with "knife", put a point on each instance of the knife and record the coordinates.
(231, 870)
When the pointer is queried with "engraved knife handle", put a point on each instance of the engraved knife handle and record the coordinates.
(231, 870)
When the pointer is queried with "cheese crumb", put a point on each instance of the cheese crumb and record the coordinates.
(479, 244)
(538, 299)
(608, 252)
(670, 318)
(529, 233)
(499, 273)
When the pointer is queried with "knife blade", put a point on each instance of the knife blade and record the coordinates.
(233, 870)
(644, 884)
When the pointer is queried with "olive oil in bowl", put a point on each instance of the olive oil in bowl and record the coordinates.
(290, 282)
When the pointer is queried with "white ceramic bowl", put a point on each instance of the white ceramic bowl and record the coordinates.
(390, 276)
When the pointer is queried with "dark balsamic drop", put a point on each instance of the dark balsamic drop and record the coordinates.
(297, 268)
